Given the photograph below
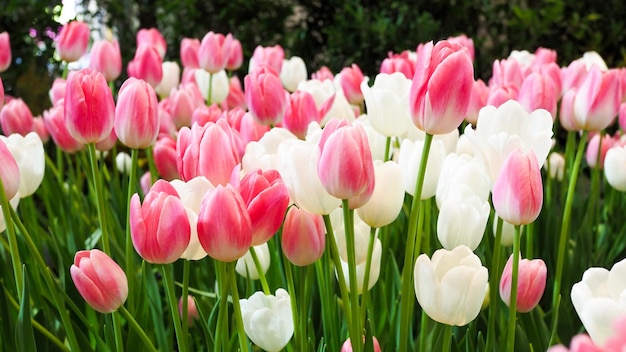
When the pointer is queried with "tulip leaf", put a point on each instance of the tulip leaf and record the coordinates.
(24, 335)
(204, 324)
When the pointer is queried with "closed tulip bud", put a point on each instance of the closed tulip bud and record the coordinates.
(531, 283)
(387, 103)
(72, 41)
(235, 59)
(350, 79)
(451, 286)
(556, 166)
(183, 102)
(170, 79)
(220, 85)
(89, 106)
(304, 237)
(267, 319)
(214, 51)
(265, 96)
(266, 198)
(5, 51)
(16, 117)
(165, 157)
(442, 87)
(593, 153)
(347, 345)
(409, 160)
(518, 191)
(159, 226)
(123, 162)
(40, 129)
(462, 221)
(136, 114)
(597, 100)
(293, 72)
(614, 168)
(100, 280)
(398, 63)
(271, 56)
(192, 310)
(54, 120)
(57, 91)
(30, 158)
(146, 65)
(9, 172)
(245, 265)
(300, 112)
(386, 201)
(224, 226)
(539, 92)
(189, 52)
(152, 37)
(106, 58)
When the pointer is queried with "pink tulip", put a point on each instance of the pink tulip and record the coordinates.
(502, 94)
(592, 150)
(350, 80)
(204, 114)
(573, 75)
(5, 51)
(266, 198)
(398, 63)
(54, 120)
(304, 237)
(152, 37)
(518, 190)
(106, 58)
(345, 166)
(224, 226)
(189, 52)
(57, 92)
(265, 96)
(100, 281)
(553, 71)
(9, 172)
(235, 59)
(146, 65)
(478, 100)
(159, 227)
(271, 56)
(531, 283)
(249, 129)
(566, 112)
(1, 94)
(165, 157)
(72, 41)
(192, 310)
(347, 346)
(579, 343)
(617, 342)
(506, 72)
(465, 42)
(323, 74)
(16, 117)
(539, 92)
(212, 151)
(136, 114)
(89, 106)
(183, 101)
(622, 117)
(597, 100)
(441, 88)
(214, 51)
(40, 128)
(300, 112)
(107, 143)
(236, 96)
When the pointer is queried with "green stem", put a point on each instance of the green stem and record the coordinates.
(322, 269)
(130, 260)
(234, 291)
(447, 338)
(306, 291)
(334, 252)
(259, 269)
(99, 197)
(348, 224)
(117, 329)
(185, 301)
(154, 174)
(222, 335)
(407, 294)
(366, 276)
(208, 99)
(147, 343)
(15, 251)
(513, 300)
(387, 148)
(423, 331)
(294, 307)
(494, 281)
(171, 297)
(567, 212)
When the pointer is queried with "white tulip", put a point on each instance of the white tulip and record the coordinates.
(267, 320)
(245, 265)
(293, 72)
(171, 78)
(387, 103)
(464, 175)
(220, 85)
(386, 201)
(123, 162)
(462, 221)
(556, 166)
(409, 160)
(14, 203)
(615, 168)
(264, 153)
(30, 157)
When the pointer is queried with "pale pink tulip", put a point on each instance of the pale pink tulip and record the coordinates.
(480, 93)
(265, 96)
(271, 56)
(153, 38)
(531, 283)
(136, 114)
(539, 92)
(236, 97)
(16, 117)
(579, 343)
(108, 142)
(501, 94)
(106, 57)
(347, 345)
(192, 310)
(398, 63)
(204, 114)
(304, 237)
(9, 172)
(350, 80)
(235, 59)
(323, 74)
(40, 128)
(189, 52)
(57, 91)
(54, 120)
(214, 51)
(593, 153)
(506, 72)
(72, 41)
(597, 100)
(183, 101)
(146, 65)
(465, 42)
(5, 51)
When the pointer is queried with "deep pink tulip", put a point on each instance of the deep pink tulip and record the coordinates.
(57, 91)
(539, 92)
(165, 157)
(345, 166)
(214, 51)
(465, 42)
(235, 59)
(5, 51)
(212, 151)
(441, 88)
(300, 112)
(323, 74)
(189, 52)
(531, 283)
(204, 114)
(1, 94)
(99, 280)
(9, 172)
(152, 37)
(597, 100)
(147, 65)
(89, 106)
(592, 154)
(304, 237)
(136, 114)
(350, 80)
(265, 96)
(159, 227)
(106, 57)
(347, 346)
(271, 56)
(54, 120)
(16, 117)
(266, 198)
(398, 63)
(72, 41)
(518, 190)
(224, 226)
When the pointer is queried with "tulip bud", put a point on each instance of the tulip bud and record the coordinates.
(100, 281)
(271, 56)
(267, 320)
(170, 79)
(146, 65)
(9, 172)
(265, 96)
(165, 157)
(189, 52)
(235, 59)
(106, 58)
(245, 265)
(136, 114)
(152, 37)
(54, 120)
(30, 158)
(192, 310)
(347, 345)
(16, 117)
(5, 52)
(531, 283)
(304, 237)
(293, 72)
(386, 201)
(350, 79)
(214, 51)
(72, 41)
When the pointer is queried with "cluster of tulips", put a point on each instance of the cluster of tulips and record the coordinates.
(275, 213)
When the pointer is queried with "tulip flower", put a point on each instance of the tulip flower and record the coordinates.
(267, 320)
(245, 265)
(184, 100)
(72, 41)
(235, 59)
(5, 51)
(136, 115)
(189, 52)
(597, 100)
(192, 310)
(89, 106)
(219, 83)
(539, 92)
(224, 226)
(204, 114)
(106, 58)
(152, 37)
(351, 79)
(462, 176)
(323, 74)
(1, 94)
(9, 172)
(614, 169)
(462, 221)
(347, 345)
(266, 198)
(387, 103)
(146, 65)
(531, 283)
(170, 79)
(264, 153)
(159, 227)
(442, 87)
(165, 157)
(54, 120)
(214, 51)
(100, 281)
(236, 97)
(107, 143)
(265, 96)
(304, 237)
(556, 166)
(386, 200)
(293, 72)
(324, 94)
(300, 112)
(57, 91)
(16, 117)
(29, 155)
(271, 56)
(40, 129)
(398, 63)
(579, 343)
(409, 160)
(602, 142)
(451, 286)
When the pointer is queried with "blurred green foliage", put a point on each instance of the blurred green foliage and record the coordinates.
(331, 33)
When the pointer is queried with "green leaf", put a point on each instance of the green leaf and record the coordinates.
(24, 335)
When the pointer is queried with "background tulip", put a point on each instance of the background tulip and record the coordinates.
(136, 114)
(387, 103)
(293, 72)
(189, 52)
(9, 172)
(267, 320)
(152, 37)
(350, 79)
(300, 112)
(531, 283)
(347, 345)
(235, 59)
(462, 221)
(5, 51)
(214, 51)
(265, 96)
(106, 58)
(409, 160)
(597, 100)
(100, 281)
(54, 120)
(16, 117)
(386, 201)
(30, 158)
(147, 65)
(170, 79)
(219, 83)
(304, 237)
(245, 265)
(72, 41)
(614, 167)
(602, 142)
(271, 56)
(165, 157)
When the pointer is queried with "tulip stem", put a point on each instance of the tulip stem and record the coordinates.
(259, 270)
(99, 197)
(15, 251)
(386, 157)
(222, 335)
(185, 301)
(154, 174)
(348, 223)
(135, 326)
(171, 296)
(412, 246)
(513, 298)
(208, 98)
(567, 212)
(447, 338)
(327, 301)
(243, 339)
(366, 276)
(130, 261)
(493, 286)
(117, 329)
(294, 306)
